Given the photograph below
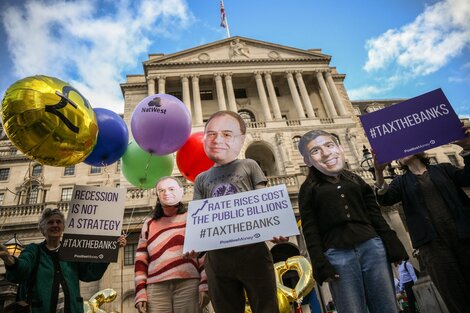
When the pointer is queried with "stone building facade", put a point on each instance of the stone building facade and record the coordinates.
(281, 92)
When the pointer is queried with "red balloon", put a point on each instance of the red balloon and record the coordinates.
(191, 158)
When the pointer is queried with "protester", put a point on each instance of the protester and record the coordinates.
(437, 213)
(54, 283)
(230, 271)
(350, 244)
(406, 281)
(166, 281)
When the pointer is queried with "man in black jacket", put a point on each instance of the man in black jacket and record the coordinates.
(347, 237)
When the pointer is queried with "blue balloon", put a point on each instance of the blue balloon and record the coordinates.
(113, 137)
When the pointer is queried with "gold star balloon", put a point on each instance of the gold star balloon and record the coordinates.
(49, 121)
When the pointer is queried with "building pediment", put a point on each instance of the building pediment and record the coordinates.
(234, 50)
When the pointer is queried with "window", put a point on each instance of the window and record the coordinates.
(118, 166)
(247, 116)
(129, 254)
(453, 159)
(432, 160)
(66, 194)
(240, 93)
(4, 173)
(69, 170)
(295, 142)
(206, 95)
(95, 170)
(2, 197)
(278, 94)
(176, 94)
(32, 194)
(37, 170)
(304, 170)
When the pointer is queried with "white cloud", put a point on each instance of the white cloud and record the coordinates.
(75, 42)
(422, 47)
(366, 92)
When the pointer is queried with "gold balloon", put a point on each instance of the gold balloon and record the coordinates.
(303, 268)
(49, 121)
(282, 302)
(98, 299)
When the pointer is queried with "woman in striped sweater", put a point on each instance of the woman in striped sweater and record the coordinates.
(166, 281)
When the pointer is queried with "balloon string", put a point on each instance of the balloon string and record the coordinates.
(129, 224)
(146, 171)
(27, 177)
(140, 223)
(107, 173)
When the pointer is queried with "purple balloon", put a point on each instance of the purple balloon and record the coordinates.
(161, 124)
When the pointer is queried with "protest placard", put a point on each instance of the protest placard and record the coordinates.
(239, 219)
(93, 224)
(412, 126)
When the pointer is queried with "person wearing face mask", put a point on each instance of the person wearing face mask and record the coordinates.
(232, 271)
(349, 242)
(165, 280)
(52, 284)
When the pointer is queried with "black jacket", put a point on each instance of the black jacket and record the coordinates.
(448, 179)
(340, 216)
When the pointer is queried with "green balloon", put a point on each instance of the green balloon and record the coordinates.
(143, 169)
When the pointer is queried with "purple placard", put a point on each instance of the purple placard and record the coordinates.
(412, 126)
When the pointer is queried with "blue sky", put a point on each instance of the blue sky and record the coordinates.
(386, 48)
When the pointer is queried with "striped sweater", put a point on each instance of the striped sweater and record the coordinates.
(159, 255)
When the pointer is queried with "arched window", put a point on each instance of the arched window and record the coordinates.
(247, 116)
(32, 194)
(295, 142)
(37, 170)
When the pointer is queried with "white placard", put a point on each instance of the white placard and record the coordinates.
(239, 219)
(93, 224)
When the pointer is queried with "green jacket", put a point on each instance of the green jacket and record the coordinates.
(45, 287)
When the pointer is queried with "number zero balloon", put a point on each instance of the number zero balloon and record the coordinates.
(49, 121)
(304, 270)
(160, 124)
(191, 158)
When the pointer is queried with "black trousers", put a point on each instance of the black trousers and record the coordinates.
(447, 262)
(232, 271)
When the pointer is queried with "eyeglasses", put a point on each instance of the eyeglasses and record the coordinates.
(227, 135)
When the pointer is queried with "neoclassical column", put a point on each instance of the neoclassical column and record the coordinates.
(295, 95)
(220, 92)
(272, 96)
(262, 96)
(351, 139)
(232, 104)
(197, 100)
(161, 84)
(334, 92)
(326, 95)
(186, 94)
(151, 85)
(304, 94)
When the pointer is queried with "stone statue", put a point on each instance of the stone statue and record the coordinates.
(238, 48)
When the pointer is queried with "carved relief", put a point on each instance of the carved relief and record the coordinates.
(204, 57)
(238, 48)
(274, 55)
(256, 136)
